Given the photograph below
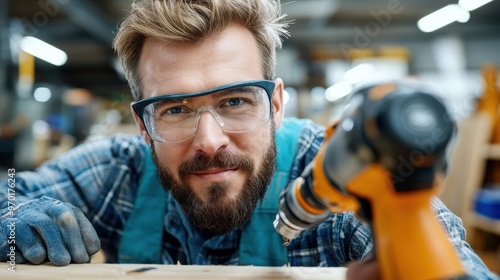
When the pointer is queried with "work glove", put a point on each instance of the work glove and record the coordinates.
(46, 228)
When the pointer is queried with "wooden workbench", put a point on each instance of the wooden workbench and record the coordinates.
(189, 272)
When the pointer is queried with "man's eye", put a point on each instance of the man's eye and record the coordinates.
(234, 102)
(171, 111)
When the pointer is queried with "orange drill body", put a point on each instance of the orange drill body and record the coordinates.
(411, 243)
(359, 168)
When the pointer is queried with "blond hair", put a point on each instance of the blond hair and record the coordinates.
(192, 21)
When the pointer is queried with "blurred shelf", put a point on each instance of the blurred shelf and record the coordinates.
(492, 151)
(484, 223)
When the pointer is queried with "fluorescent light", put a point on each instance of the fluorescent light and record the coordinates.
(44, 51)
(337, 91)
(471, 5)
(359, 73)
(318, 91)
(40, 128)
(42, 94)
(443, 17)
(286, 94)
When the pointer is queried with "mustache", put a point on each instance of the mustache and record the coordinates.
(223, 159)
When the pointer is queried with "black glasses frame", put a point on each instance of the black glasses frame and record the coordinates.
(139, 106)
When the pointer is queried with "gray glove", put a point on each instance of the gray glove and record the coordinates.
(46, 228)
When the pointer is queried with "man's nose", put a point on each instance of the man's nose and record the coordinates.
(209, 136)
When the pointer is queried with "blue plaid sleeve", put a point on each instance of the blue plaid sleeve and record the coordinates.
(456, 233)
(343, 238)
(99, 177)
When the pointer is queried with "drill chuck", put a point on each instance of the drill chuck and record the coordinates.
(292, 218)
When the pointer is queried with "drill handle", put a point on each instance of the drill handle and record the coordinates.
(410, 241)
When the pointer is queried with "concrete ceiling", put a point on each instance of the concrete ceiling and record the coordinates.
(85, 28)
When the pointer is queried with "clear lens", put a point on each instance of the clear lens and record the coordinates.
(236, 110)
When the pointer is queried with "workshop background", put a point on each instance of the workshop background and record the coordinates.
(47, 108)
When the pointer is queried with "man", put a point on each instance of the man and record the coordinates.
(208, 108)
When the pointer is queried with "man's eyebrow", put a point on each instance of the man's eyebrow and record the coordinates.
(243, 89)
(217, 94)
(171, 101)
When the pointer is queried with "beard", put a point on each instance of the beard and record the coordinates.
(218, 214)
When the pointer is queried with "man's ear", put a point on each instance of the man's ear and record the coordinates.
(140, 126)
(277, 102)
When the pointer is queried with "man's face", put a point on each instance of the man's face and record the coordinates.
(216, 176)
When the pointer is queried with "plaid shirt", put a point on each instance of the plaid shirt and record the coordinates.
(101, 178)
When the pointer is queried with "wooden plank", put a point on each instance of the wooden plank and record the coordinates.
(492, 151)
(188, 272)
(467, 165)
(485, 223)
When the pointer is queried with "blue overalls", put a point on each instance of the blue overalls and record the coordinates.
(260, 244)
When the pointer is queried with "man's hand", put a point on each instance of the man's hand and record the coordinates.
(47, 228)
(363, 270)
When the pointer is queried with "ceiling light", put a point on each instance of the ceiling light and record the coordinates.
(42, 94)
(443, 17)
(44, 51)
(40, 128)
(359, 73)
(286, 94)
(337, 91)
(471, 5)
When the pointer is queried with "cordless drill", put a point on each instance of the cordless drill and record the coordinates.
(381, 161)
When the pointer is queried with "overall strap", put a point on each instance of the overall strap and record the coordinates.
(143, 232)
(260, 244)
